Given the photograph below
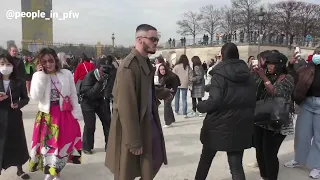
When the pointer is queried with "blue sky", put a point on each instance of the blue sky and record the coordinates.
(98, 19)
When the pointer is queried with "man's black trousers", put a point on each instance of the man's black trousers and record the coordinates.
(89, 116)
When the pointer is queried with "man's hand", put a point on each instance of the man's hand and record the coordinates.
(171, 96)
(3, 97)
(104, 77)
(14, 106)
(136, 151)
(293, 60)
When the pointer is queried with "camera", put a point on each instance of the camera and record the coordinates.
(106, 69)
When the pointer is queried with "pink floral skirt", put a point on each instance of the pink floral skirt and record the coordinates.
(56, 141)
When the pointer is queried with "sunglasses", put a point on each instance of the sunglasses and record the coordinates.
(153, 39)
(43, 62)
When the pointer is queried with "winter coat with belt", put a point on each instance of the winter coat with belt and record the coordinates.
(228, 125)
(198, 82)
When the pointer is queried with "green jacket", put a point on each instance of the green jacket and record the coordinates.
(27, 67)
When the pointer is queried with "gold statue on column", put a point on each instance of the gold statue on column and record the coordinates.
(99, 49)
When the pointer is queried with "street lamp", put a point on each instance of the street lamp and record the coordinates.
(113, 39)
(112, 42)
(260, 15)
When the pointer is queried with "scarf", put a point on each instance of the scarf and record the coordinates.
(97, 74)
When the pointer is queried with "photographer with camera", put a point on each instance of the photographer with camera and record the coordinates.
(95, 95)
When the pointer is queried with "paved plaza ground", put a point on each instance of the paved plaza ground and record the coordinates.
(183, 149)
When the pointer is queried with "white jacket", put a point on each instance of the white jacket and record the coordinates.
(41, 90)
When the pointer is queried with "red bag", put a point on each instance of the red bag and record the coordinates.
(66, 104)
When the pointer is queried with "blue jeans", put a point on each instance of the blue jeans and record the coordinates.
(307, 133)
(184, 92)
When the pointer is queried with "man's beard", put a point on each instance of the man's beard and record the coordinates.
(146, 49)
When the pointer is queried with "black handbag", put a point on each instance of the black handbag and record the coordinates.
(272, 110)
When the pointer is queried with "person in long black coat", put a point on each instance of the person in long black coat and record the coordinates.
(228, 125)
(13, 97)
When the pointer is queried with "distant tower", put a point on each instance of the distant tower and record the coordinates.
(36, 33)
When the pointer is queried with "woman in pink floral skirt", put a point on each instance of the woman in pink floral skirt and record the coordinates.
(56, 136)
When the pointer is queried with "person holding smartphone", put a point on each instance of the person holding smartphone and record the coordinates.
(56, 138)
(13, 97)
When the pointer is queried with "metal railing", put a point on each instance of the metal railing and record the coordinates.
(266, 40)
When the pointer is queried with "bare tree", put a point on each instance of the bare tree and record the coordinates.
(308, 18)
(246, 12)
(286, 13)
(229, 20)
(268, 23)
(190, 25)
(211, 18)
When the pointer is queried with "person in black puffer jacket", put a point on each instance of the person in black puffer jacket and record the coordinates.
(228, 125)
(96, 94)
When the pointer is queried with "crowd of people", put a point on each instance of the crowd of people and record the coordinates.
(250, 104)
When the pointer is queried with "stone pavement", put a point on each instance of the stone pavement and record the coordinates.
(183, 150)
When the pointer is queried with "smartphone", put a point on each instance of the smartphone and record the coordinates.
(156, 80)
(297, 50)
(44, 69)
(255, 63)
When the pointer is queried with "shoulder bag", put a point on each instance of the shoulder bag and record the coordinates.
(66, 104)
(272, 110)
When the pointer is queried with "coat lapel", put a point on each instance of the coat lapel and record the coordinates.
(2, 86)
(145, 83)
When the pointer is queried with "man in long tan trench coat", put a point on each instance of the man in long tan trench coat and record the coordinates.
(136, 145)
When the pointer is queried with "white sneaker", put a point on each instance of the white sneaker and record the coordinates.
(291, 164)
(199, 114)
(185, 116)
(167, 126)
(193, 114)
(253, 165)
(48, 177)
(315, 173)
(56, 178)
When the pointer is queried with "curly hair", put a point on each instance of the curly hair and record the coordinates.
(52, 52)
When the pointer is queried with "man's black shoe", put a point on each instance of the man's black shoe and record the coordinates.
(87, 152)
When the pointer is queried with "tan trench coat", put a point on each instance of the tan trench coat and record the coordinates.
(130, 125)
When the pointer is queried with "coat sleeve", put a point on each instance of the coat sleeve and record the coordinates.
(215, 96)
(127, 104)
(190, 75)
(22, 70)
(198, 74)
(110, 83)
(90, 89)
(76, 112)
(38, 85)
(176, 81)
(76, 74)
(162, 92)
(24, 99)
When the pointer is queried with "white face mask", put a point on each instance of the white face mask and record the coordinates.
(6, 70)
